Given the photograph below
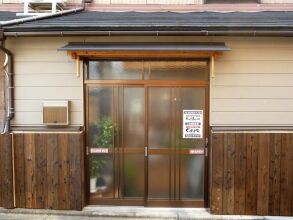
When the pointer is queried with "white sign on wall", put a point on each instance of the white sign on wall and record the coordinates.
(192, 123)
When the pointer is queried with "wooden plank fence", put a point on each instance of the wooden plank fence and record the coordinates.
(252, 173)
(49, 170)
(6, 178)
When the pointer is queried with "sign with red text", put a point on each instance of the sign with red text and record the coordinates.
(198, 151)
(99, 150)
(193, 124)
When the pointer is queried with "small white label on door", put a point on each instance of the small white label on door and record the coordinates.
(99, 151)
(192, 123)
(198, 151)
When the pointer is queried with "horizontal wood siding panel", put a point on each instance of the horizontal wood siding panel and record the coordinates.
(33, 68)
(271, 80)
(261, 54)
(44, 73)
(252, 118)
(253, 67)
(49, 92)
(256, 175)
(41, 55)
(253, 105)
(53, 168)
(35, 118)
(256, 68)
(28, 105)
(252, 92)
(49, 80)
(253, 83)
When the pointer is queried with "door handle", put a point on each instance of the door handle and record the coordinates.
(145, 151)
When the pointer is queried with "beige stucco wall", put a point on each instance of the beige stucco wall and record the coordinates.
(253, 84)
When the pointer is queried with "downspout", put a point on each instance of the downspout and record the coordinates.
(9, 55)
(10, 86)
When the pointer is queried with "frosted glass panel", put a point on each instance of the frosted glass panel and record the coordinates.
(179, 70)
(133, 128)
(134, 176)
(115, 70)
(159, 176)
(100, 136)
(159, 117)
(101, 181)
(192, 177)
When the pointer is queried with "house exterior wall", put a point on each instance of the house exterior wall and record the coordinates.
(252, 86)
(253, 83)
(42, 73)
(251, 171)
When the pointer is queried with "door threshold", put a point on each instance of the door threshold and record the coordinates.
(140, 212)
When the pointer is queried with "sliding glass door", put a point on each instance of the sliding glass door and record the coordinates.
(146, 133)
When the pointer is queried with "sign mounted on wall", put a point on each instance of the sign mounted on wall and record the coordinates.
(193, 124)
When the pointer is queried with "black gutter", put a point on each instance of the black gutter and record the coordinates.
(10, 86)
(254, 33)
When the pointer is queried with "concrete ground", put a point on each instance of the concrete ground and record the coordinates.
(117, 213)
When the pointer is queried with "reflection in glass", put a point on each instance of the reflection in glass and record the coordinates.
(101, 169)
(100, 134)
(179, 70)
(159, 117)
(133, 123)
(133, 176)
(192, 177)
(114, 70)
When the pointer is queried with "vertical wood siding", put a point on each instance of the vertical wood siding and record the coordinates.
(49, 170)
(252, 173)
(2, 89)
(6, 187)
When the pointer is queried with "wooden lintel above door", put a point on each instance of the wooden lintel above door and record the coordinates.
(142, 54)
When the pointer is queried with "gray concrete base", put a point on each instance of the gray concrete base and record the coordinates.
(123, 212)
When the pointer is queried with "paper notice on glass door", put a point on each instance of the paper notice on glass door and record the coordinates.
(192, 123)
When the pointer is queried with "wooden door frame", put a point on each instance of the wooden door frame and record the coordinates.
(146, 84)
